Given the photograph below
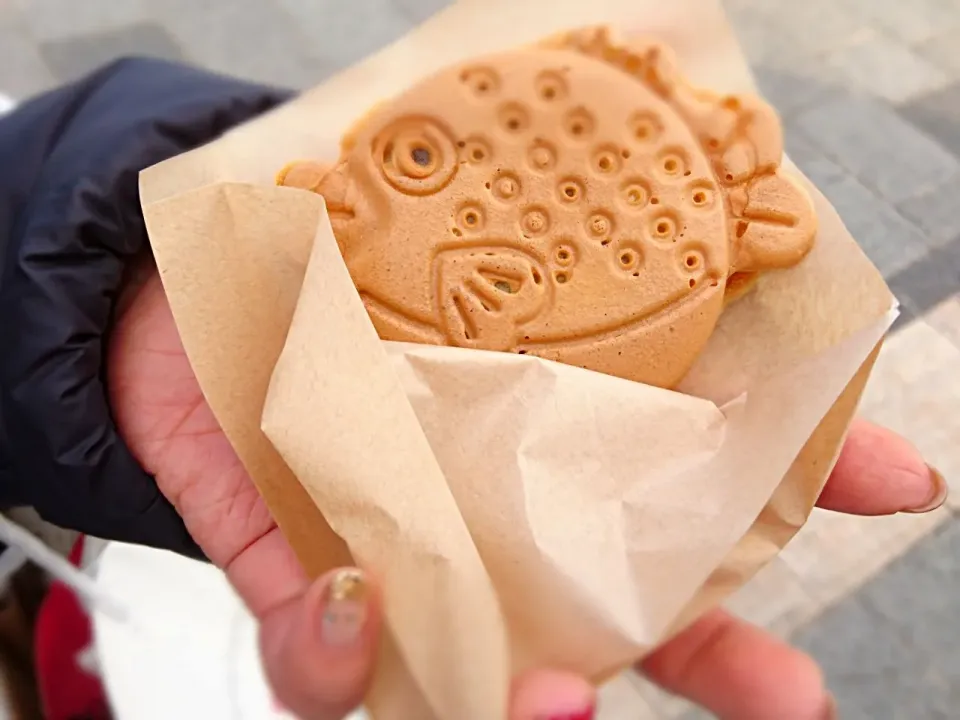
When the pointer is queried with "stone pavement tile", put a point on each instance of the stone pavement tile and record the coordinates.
(938, 114)
(846, 652)
(791, 88)
(915, 390)
(881, 148)
(810, 159)
(23, 71)
(933, 565)
(891, 242)
(935, 211)
(416, 11)
(830, 557)
(886, 68)
(943, 50)
(74, 57)
(945, 319)
(834, 553)
(775, 599)
(812, 27)
(58, 19)
(757, 34)
(246, 38)
(930, 280)
(915, 21)
(799, 147)
(342, 33)
(892, 650)
(908, 362)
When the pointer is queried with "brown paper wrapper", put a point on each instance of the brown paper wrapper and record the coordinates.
(518, 512)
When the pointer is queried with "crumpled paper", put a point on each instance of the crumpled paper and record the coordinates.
(518, 513)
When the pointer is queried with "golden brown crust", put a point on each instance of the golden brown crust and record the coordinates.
(576, 200)
(771, 216)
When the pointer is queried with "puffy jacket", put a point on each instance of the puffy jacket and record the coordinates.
(70, 222)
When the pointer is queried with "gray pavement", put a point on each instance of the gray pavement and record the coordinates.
(870, 95)
(892, 649)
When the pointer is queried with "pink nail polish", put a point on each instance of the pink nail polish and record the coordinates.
(938, 493)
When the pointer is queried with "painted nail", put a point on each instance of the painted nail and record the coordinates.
(587, 714)
(345, 608)
(938, 494)
(829, 709)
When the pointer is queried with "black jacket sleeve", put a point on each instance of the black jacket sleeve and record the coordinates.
(70, 222)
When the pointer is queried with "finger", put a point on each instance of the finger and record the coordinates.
(267, 573)
(551, 695)
(739, 672)
(880, 473)
(319, 649)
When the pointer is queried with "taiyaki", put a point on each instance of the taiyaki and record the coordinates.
(576, 200)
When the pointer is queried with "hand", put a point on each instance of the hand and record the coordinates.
(740, 672)
(320, 668)
(318, 638)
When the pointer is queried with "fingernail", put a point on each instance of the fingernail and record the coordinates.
(345, 608)
(829, 709)
(938, 495)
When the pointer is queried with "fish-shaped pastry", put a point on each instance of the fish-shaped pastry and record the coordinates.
(576, 200)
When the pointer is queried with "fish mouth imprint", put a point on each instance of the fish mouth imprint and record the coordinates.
(483, 294)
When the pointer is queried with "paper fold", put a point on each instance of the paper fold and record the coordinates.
(599, 507)
(372, 471)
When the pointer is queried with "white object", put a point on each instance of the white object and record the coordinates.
(30, 547)
(191, 648)
(7, 104)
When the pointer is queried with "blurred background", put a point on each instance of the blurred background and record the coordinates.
(869, 91)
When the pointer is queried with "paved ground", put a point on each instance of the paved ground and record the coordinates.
(870, 94)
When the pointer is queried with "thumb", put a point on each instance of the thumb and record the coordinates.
(319, 648)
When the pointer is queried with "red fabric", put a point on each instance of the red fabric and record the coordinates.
(62, 632)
